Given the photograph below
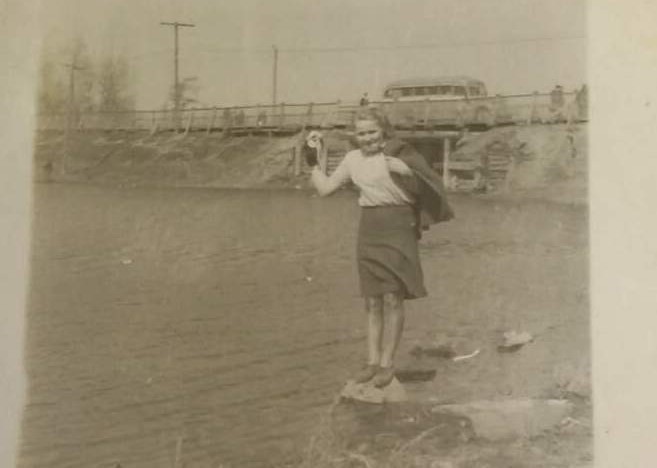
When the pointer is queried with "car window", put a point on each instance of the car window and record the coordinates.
(464, 90)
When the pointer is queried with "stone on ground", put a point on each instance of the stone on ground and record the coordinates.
(368, 393)
(508, 419)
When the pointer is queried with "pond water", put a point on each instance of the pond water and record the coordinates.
(222, 320)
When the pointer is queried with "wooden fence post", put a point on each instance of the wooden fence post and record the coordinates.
(153, 123)
(258, 122)
(495, 109)
(447, 143)
(212, 119)
(189, 122)
(325, 116)
(227, 121)
(309, 116)
(281, 116)
(532, 112)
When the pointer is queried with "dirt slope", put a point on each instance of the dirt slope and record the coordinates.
(546, 161)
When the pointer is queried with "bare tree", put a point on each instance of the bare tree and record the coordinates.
(72, 83)
(114, 86)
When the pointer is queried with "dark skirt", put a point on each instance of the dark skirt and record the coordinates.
(387, 252)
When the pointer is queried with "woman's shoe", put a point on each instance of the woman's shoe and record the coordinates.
(366, 373)
(383, 377)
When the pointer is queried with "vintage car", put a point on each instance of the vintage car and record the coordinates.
(448, 100)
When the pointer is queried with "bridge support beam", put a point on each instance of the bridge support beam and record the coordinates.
(447, 147)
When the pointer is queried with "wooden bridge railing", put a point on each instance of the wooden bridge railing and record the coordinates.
(488, 111)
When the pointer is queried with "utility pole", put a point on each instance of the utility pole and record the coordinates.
(176, 85)
(71, 94)
(275, 75)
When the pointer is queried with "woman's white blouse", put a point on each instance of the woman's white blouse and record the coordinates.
(370, 174)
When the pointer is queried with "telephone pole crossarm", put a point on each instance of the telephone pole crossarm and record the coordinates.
(177, 24)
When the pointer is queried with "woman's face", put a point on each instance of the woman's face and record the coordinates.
(369, 136)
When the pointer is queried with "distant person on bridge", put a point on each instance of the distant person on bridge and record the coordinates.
(227, 118)
(364, 101)
(557, 102)
(262, 118)
(240, 118)
(399, 195)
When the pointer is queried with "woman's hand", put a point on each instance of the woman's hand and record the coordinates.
(312, 147)
(315, 139)
(398, 166)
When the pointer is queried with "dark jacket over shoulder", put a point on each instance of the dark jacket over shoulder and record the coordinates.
(426, 187)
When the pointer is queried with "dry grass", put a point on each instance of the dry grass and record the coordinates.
(328, 448)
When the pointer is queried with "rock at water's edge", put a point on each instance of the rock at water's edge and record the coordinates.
(508, 419)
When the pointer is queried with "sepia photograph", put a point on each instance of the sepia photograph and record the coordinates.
(308, 235)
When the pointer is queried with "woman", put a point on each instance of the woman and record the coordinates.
(387, 250)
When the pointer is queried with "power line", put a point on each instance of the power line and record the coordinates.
(148, 55)
(435, 46)
(396, 47)
(241, 50)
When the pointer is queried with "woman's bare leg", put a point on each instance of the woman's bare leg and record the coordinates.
(394, 309)
(374, 307)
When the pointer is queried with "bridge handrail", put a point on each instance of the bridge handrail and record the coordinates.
(499, 108)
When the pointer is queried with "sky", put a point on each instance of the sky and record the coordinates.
(328, 49)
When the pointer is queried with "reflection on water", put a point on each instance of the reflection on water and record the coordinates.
(226, 318)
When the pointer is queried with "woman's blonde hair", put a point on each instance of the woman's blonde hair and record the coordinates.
(375, 115)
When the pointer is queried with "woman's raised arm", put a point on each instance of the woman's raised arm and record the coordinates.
(326, 185)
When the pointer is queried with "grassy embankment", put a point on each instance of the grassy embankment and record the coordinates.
(548, 162)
